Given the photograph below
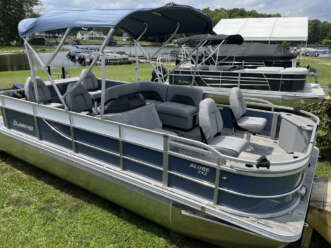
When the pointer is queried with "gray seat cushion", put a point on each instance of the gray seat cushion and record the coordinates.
(144, 117)
(90, 82)
(210, 119)
(78, 100)
(42, 91)
(211, 124)
(239, 108)
(153, 91)
(237, 103)
(177, 115)
(228, 145)
(155, 102)
(252, 124)
(177, 109)
(121, 90)
(185, 95)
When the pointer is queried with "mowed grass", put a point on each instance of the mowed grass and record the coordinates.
(41, 210)
(322, 66)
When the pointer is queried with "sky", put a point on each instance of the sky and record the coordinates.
(320, 9)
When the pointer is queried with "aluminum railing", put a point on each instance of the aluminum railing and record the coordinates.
(191, 150)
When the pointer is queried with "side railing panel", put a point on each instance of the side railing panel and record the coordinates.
(188, 167)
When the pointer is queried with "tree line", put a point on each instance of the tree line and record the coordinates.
(319, 32)
(13, 11)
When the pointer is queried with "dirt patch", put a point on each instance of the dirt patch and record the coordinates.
(11, 52)
(325, 63)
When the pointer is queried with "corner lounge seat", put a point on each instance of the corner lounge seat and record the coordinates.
(43, 93)
(181, 107)
(144, 117)
(90, 82)
(177, 106)
(211, 124)
(79, 100)
(155, 93)
(122, 98)
(239, 107)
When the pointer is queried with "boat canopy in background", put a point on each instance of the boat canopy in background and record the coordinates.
(160, 21)
(266, 29)
(256, 52)
(212, 39)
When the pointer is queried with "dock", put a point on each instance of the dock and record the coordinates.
(319, 214)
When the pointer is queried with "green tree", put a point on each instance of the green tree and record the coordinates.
(12, 12)
(314, 31)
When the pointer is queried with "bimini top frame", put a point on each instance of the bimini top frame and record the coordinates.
(138, 23)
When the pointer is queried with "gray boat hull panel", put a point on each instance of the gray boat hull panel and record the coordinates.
(155, 208)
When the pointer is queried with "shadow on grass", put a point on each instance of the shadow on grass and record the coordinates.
(174, 239)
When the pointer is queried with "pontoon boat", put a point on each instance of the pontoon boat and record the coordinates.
(230, 175)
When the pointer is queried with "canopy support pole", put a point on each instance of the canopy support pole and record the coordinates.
(103, 84)
(103, 65)
(58, 47)
(136, 52)
(216, 49)
(104, 44)
(149, 58)
(33, 76)
(44, 67)
(167, 41)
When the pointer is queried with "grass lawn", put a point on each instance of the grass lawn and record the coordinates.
(9, 49)
(41, 210)
(322, 65)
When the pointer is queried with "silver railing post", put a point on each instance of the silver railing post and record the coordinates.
(35, 120)
(121, 146)
(72, 133)
(103, 84)
(165, 160)
(217, 180)
(3, 110)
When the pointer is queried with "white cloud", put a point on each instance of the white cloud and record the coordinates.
(320, 9)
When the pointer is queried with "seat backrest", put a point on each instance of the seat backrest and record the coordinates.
(90, 82)
(121, 90)
(43, 92)
(78, 100)
(185, 94)
(153, 91)
(237, 103)
(210, 119)
(123, 97)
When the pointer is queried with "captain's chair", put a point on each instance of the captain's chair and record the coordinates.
(90, 82)
(211, 125)
(240, 120)
(44, 95)
(79, 100)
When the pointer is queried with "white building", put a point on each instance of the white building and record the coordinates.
(90, 35)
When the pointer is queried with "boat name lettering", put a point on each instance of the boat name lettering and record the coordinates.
(22, 125)
(202, 170)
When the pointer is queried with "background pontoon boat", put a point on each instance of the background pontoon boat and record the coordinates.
(253, 55)
(165, 152)
(205, 66)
